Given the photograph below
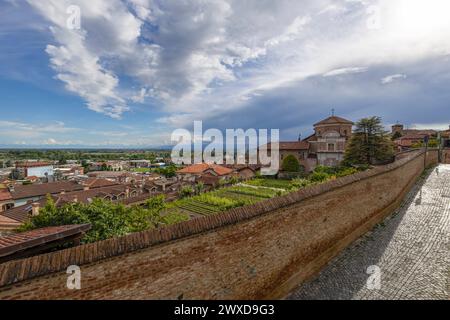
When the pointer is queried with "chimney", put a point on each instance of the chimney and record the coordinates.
(75, 199)
(35, 209)
(63, 192)
(11, 188)
(86, 188)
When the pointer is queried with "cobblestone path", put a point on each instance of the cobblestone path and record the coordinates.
(411, 248)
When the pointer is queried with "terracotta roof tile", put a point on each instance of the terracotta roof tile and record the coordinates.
(203, 167)
(36, 190)
(333, 120)
(21, 241)
(291, 145)
(5, 195)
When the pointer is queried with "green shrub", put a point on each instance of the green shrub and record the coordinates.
(186, 192)
(107, 219)
(319, 177)
(291, 164)
(300, 183)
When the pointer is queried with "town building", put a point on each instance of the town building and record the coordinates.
(326, 146)
(68, 171)
(23, 194)
(6, 200)
(407, 139)
(116, 176)
(108, 166)
(42, 170)
(138, 164)
(193, 172)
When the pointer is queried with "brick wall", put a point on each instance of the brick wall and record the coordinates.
(446, 156)
(261, 251)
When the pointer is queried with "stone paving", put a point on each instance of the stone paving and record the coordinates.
(405, 257)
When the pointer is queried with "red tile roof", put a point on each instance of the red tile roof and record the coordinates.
(14, 243)
(291, 145)
(5, 195)
(203, 167)
(98, 183)
(334, 120)
(8, 224)
(36, 190)
(408, 132)
(22, 213)
(32, 164)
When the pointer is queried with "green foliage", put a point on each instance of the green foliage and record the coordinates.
(175, 217)
(300, 183)
(234, 180)
(108, 219)
(370, 144)
(261, 193)
(290, 164)
(199, 188)
(186, 192)
(222, 203)
(433, 143)
(168, 172)
(396, 135)
(270, 183)
(317, 177)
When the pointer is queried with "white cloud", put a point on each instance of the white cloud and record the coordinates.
(201, 59)
(344, 71)
(392, 78)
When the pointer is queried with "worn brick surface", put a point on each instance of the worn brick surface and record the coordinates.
(411, 248)
(247, 253)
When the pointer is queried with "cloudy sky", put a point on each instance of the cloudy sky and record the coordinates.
(136, 70)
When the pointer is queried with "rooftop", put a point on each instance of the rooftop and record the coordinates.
(32, 164)
(37, 190)
(203, 167)
(31, 242)
(291, 145)
(334, 120)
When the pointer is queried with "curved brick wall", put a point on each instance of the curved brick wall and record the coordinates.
(259, 251)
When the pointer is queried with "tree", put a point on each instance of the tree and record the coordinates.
(396, 135)
(370, 144)
(291, 164)
(186, 192)
(107, 219)
(199, 188)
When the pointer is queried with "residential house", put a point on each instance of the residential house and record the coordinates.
(136, 164)
(116, 176)
(6, 200)
(108, 165)
(42, 170)
(23, 194)
(193, 172)
(410, 137)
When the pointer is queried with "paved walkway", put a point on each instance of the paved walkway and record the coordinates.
(410, 249)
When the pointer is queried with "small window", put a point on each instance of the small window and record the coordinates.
(331, 147)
